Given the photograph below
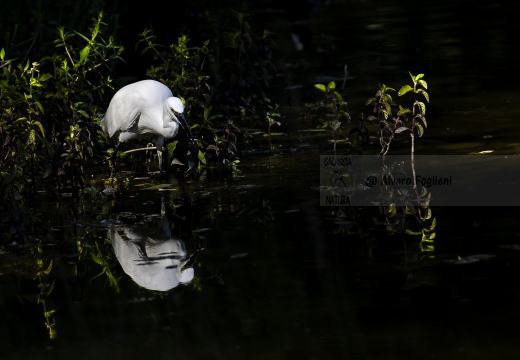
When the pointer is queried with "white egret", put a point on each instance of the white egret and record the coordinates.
(144, 109)
(153, 258)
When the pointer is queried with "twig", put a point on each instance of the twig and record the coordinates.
(146, 148)
(5, 64)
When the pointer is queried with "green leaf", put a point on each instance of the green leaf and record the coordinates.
(424, 84)
(48, 314)
(421, 106)
(385, 88)
(418, 76)
(273, 122)
(34, 82)
(425, 94)
(83, 113)
(371, 100)
(37, 123)
(404, 90)
(37, 103)
(331, 86)
(338, 96)
(83, 36)
(61, 30)
(387, 98)
(413, 233)
(171, 147)
(96, 259)
(83, 54)
(2, 54)
(414, 78)
(31, 138)
(388, 108)
(202, 157)
(45, 77)
(401, 129)
(403, 111)
(420, 130)
(95, 31)
(48, 270)
(423, 119)
(345, 114)
(320, 87)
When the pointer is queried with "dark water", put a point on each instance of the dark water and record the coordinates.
(280, 276)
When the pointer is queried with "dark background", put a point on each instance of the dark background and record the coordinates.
(473, 41)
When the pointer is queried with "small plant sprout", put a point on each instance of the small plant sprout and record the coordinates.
(271, 116)
(271, 121)
(417, 112)
(390, 123)
(418, 108)
(382, 108)
(336, 109)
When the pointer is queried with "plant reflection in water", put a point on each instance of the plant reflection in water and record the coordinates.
(153, 258)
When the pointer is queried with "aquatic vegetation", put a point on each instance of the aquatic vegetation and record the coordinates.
(219, 82)
(331, 110)
(394, 122)
(39, 267)
(48, 109)
(42, 269)
(415, 217)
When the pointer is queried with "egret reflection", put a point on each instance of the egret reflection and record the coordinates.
(153, 258)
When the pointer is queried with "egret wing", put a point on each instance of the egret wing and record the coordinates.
(122, 113)
(130, 111)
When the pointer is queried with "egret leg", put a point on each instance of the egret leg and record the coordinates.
(159, 142)
(159, 155)
(163, 160)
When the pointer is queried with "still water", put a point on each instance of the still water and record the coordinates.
(274, 275)
(278, 276)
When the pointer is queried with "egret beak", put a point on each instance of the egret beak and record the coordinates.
(185, 126)
(191, 260)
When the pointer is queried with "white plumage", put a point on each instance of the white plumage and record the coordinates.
(155, 260)
(142, 110)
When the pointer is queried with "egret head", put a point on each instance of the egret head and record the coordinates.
(186, 275)
(185, 271)
(175, 107)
